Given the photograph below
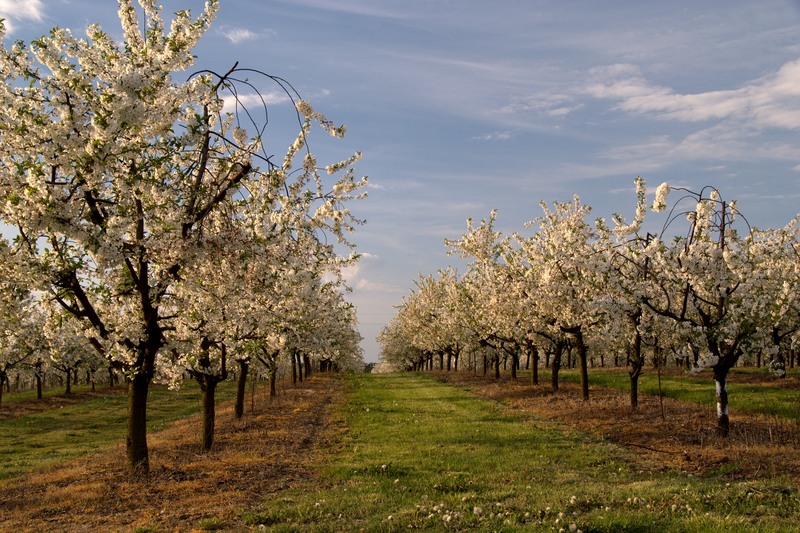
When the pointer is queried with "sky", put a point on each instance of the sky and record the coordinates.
(465, 106)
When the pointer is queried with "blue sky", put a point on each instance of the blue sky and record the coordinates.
(461, 107)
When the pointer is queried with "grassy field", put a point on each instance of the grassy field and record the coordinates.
(743, 394)
(72, 430)
(28, 395)
(420, 454)
(406, 451)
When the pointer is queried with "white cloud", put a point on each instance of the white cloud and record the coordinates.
(373, 286)
(254, 101)
(238, 35)
(359, 7)
(13, 10)
(769, 102)
(494, 136)
(549, 105)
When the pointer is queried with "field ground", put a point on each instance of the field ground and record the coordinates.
(760, 446)
(399, 452)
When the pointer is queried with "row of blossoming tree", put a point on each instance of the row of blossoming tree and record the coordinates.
(701, 286)
(148, 218)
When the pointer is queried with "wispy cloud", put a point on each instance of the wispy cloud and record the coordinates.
(253, 101)
(238, 35)
(769, 102)
(548, 105)
(494, 136)
(358, 7)
(13, 10)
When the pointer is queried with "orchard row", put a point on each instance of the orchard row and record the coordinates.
(691, 282)
(148, 226)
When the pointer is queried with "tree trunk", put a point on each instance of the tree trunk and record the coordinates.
(273, 390)
(241, 384)
(582, 352)
(634, 375)
(514, 364)
(294, 368)
(723, 422)
(208, 384)
(497, 365)
(577, 333)
(299, 367)
(136, 438)
(3, 378)
(555, 366)
(38, 375)
(637, 363)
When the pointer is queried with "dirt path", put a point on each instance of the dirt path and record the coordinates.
(277, 448)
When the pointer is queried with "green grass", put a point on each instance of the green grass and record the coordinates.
(36, 441)
(28, 395)
(419, 454)
(753, 398)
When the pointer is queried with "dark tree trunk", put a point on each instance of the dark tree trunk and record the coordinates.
(555, 366)
(299, 367)
(273, 389)
(294, 368)
(634, 376)
(136, 438)
(38, 375)
(69, 381)
(582, 352)
(208, 384)
(577, 333)
(721, 381)
(241, 385)
(497, 365)
(637, 363)
(514, 364)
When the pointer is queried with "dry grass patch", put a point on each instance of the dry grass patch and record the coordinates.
(685, 438)
(276, 448)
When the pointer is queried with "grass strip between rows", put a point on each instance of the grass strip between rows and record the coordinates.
(420, 454)
(36, 441)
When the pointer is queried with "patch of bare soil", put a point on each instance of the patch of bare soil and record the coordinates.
(277, 447)
(683, 437)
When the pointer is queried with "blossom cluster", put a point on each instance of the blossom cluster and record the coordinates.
(154, 219)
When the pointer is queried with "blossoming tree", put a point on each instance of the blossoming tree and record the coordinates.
(112, 170)
(711, 284)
